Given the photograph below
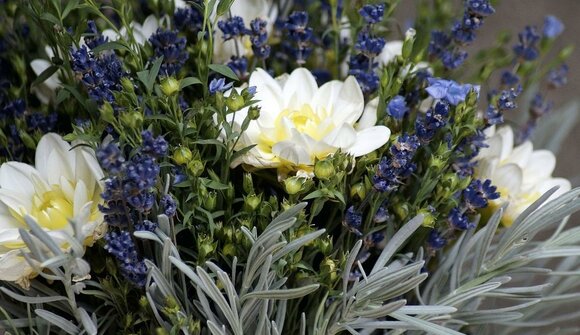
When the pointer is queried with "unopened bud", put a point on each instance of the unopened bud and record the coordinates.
(170, 86)
(182, 155)
(324, 170)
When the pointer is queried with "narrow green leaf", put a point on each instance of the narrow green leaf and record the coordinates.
(189, 81)
(224, 70)
(50, 18)
(45, 75)
(153, 73)
(288, 293)
(71, 4)
(58, 321)
(113, 45)
(224, 6)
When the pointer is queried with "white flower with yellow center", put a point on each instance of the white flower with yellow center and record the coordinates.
(521, 174)
(300, 122)
(64, 185)
(248, 10)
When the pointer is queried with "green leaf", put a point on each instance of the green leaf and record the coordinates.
(71, 4)
(62, 96)
(224, 6)
(224, 70)
(283, 294)
(113, 45)
(59, 321)
(189, 81)
(45, 75)
(50, 18)
(73, 90)
(154, 72)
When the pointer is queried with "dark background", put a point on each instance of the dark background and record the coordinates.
(513, 16)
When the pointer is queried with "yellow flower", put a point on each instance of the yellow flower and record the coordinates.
(300, 122)
(64, 185)
(521, 174)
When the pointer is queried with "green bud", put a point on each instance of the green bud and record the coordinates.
(235, 101)
(325, 245)
(20, 66)
(324, 169)
(408, 43)
(229, 250)
(133, 119)
(566, 52)
(328, 269)
(182, 155)
(161, 331)
(127, 85)
(29, 142)
(195, 327)
(170, 86)
(428, 218)
(402, 210)
(210, 202)
(254, 113)
(248, 183)
(107, 113)
(437, 162)
(143, 303)
(358, 191)
(252, 202)
(293, 185)
(228, 233)
(202, 191)
(230, 192)
(195, 167)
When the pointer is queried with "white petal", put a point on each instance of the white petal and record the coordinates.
(40, 65)
(16, 201)
(54, 158)
(299, 88)
(16, 176)
(149, 27)
(507, 141)
(562, 184)
(521, 154)
(13, 267)
(485, 168)
(369, 117)
(292, 152)
(390, 51)
(80, 197)
(110, 34)
(323, 99)
(508, 177)
(349, 104)
(369, 139)
(540, 166)
(269, 95)
(343, 137)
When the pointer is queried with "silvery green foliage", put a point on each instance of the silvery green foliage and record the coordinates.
(250, 300)
(362, 308)
(507, 279)
(36, 304)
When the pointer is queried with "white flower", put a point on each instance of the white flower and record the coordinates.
(248, 10)
(141, 32)
(300, 121)
(64, 185)
(45, 91)
(521, 174)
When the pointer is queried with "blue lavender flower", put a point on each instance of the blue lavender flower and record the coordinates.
(368, 45)
(147, 225)
(398, 165)
(435, 240)
(434, 119)
(259, 38)
(218, 85)
(353, 220)
(188, 19)
(527, 48)
(300, 34)
(558, 77)
(110, 158)
(14, 109)
(156, 147)
(397, 107)
(553, 27)
(239, 65)
(166, 43)
(459, 220)
(382, 215)
(439, 43)
(480, 8)
(93, 39)
(372, 13)
(540, 106)
(505, 102)
(478, 194)
(453, 59)
(362, 68)
(121, 246)
(233, 27)
(449, 90)
(509, 79)
(168, 205)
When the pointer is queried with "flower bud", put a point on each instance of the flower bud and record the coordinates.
(408, 43)
(402, 210)
(254, 113)
(27, 139)
(248, 183)
(235, 101)
(230, 192)
(170, 86)
(133, 119)
(324, 169)
(293, 185)
(428, 218)
(325, 245)
(210, 201)
(127, 85)
(252, 202)
(358, 191)
(195, 167)
(229, 250)
(182, 155)
(328, 269)
(107, 113)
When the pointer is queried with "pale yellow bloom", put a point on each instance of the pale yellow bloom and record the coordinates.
(521, 174)
(64, 184)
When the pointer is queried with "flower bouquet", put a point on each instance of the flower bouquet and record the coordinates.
(280, 167)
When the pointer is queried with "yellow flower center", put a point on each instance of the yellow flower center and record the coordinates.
(515, 207)
(52, 209)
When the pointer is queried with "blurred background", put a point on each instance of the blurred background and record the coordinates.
(513, 16)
